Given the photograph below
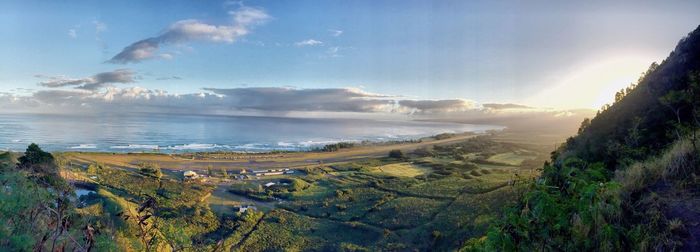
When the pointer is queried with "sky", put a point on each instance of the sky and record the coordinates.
(329, 56)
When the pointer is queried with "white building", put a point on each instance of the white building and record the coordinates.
(242, 209)
(190, 175)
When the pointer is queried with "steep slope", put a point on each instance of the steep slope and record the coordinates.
(641, 119)
(627, 181)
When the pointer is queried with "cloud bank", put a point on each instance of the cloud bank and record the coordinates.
(437, 106)
(95, 82)
(192, 30)
(274, 101)
(288, 99)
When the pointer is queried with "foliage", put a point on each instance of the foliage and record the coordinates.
(648, 138)
(35, 156)
(573, 207)
(337, 146)
(37, 211)
(397, 154)
(151, 169)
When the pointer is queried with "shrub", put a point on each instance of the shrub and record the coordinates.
(398, 154)
(298, 185)
(150, 169)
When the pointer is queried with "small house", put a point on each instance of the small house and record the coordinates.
(242, 209)
(190, 175)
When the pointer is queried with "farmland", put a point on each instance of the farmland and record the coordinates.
(434, 195)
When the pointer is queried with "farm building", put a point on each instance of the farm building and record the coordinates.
(271, 172)
(242, 209)
(190, 175)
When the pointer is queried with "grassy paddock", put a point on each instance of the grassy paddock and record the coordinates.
(404, 169)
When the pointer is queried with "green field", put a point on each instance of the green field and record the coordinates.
(401, 170)
(512, 158)
(430, 199)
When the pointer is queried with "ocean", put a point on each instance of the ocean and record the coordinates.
(187, 133)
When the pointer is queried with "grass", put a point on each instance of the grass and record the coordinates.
(282, 230)
(369, 203)
(405, 212)
(676, 162)
(511, 158)
(404, 169)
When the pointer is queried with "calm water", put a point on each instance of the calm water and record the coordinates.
(178, 133)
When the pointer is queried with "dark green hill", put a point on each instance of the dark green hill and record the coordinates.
(627, 181)
(640, 119)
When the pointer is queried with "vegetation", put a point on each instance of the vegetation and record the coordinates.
(618, 184)
(397, 154)
(337, 146)
(37, 211)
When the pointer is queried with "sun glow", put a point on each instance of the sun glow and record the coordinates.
(594, 84)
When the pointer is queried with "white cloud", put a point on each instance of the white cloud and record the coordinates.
(169, 78)
(335, 33)
(166, 56)
(193, 30)
(333, 52)
(72, 33)
(99, 26)
(308, 42)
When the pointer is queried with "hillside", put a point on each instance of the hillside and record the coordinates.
(628, 180)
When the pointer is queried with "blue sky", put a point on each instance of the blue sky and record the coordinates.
(539, 53)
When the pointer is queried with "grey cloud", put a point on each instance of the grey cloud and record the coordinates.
(436, 106)
(505, 106)
(273, 100)
(192, 30)
(94, 82)
(289, 99)
(280, 101)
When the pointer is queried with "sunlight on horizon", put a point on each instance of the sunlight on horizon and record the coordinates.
(594, 84)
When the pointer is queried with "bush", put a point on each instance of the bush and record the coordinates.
(398, 154)
(150, 169)
(337, 146)
(573, 207)
(297, 185)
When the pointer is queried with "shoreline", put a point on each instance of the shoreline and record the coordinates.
(199, 161)
(271, 151)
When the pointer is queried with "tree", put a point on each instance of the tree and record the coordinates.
(93, 169)
(34, 157)
(586, 122)
(224, 173)
(42, 166)
(676, 101)
(175, 235)
(619, 95)
(298, 185)
(151, 169)
(398, 154)
(147, 232)
(209, 170)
